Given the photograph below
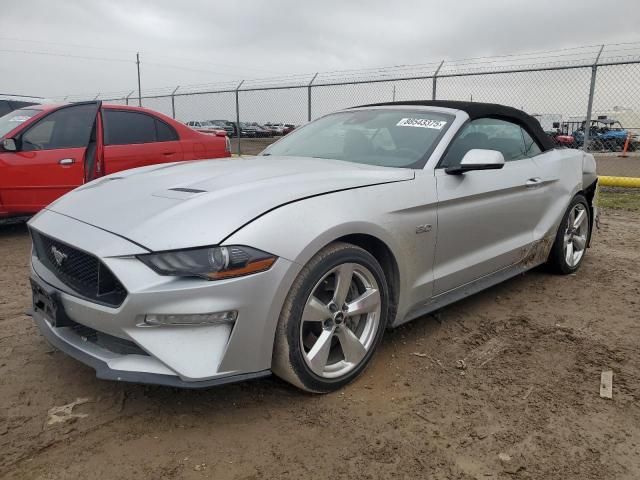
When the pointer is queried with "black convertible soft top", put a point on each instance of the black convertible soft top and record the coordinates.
(485, 110)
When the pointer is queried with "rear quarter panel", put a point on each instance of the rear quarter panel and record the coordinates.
(561, 171)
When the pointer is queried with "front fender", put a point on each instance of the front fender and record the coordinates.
(390, 213)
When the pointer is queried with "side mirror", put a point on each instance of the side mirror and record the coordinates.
(221, 133)
(478, 159)
(9, 144)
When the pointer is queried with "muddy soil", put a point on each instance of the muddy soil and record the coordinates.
(502, 385)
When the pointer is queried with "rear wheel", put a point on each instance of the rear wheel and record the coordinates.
(572, 237)
(332, 321)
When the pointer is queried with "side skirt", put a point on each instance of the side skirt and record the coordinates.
(467, 290)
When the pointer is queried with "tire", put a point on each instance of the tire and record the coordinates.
(319, 346)
(560, 259)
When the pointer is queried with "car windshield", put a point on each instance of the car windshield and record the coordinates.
(390, 138)
(12, 119)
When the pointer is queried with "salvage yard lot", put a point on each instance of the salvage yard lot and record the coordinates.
(502, 385)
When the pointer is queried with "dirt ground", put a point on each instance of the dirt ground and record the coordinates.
(526, 405)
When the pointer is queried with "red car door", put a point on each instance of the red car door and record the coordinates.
(49, 159)
(135, 138)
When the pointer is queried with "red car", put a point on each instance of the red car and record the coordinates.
(48, 150)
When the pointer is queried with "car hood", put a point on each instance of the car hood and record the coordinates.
(197, 203)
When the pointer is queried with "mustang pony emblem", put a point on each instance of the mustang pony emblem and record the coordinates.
(59, 256)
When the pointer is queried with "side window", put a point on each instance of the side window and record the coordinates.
(489, 134)
(125, 128)
(165, 132)
(531, 148)
(68, 127)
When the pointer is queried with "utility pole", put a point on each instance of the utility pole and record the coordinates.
(592, 88)
(173, 102)
(435, 81)
(238, 131)
(139, 89)
(309, 97)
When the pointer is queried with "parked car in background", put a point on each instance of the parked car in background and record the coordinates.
(247, 130)
(604, 134)
(277, 128)
(559, 138)
(404, 208)
(48, 150)
(226, 125)
(9, 103)
(205, 126)
(288, 128)
(261, 130)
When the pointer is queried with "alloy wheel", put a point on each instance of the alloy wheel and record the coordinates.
(575, 236)
(340, 320)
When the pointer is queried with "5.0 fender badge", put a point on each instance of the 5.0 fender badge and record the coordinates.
(423, 228)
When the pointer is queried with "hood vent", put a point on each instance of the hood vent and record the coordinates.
(187, 190)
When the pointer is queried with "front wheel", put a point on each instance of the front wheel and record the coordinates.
(572, 237)
(332, 320)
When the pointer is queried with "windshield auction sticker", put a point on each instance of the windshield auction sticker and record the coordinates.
(421, 123)
(19, 118)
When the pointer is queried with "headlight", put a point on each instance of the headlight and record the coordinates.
(212, 263)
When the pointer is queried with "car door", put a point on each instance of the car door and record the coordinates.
(486, 218)
(136, 139)
(49, 160)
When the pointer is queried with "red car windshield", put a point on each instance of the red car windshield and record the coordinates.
(12, 119)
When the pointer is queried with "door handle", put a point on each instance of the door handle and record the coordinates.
(533, 182)
(66, 161)
(168, 153)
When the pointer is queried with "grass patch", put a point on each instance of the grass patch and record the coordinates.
(619, 198)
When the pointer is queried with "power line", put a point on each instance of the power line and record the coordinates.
(180, 67)
(557, 57)
(106, 59)
(67, 55)
(145, 52)
(75, 45)
(209, 64)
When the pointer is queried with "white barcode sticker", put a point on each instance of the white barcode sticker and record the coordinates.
(421, 123)
(19, 118)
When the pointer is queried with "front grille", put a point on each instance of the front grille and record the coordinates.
(81, 271)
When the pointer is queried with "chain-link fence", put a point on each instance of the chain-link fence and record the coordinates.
(584, 97)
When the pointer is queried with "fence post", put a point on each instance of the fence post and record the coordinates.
(173, 102)
(238, 115)
(592, 88)
(309, 97)
(435, 81)
(126, 100)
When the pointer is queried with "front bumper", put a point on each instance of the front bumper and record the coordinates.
(182, 356)
(65, 340)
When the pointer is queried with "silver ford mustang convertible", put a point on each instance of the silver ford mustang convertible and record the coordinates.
(296, 261)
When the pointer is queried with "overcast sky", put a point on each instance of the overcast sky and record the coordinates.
(200, 41)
